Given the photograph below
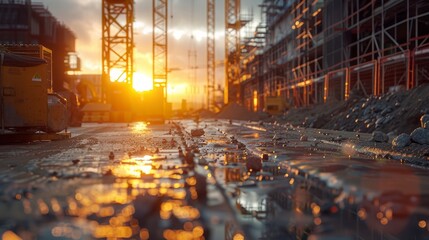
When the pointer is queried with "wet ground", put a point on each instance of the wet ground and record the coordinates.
(238, 180)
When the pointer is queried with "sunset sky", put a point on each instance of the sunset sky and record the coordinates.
(186, 18)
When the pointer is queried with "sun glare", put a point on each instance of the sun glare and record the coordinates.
(142, 82)
(117, 75)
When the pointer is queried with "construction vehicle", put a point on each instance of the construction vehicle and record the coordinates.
(28, 104)
(74, 116)
(275, 105)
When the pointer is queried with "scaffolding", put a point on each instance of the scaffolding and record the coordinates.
(318, 51)
(297, 52)
(117, 44)
(251, 62)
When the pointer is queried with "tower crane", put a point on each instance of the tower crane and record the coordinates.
(118, 43)
(117, 52)
(160, 59)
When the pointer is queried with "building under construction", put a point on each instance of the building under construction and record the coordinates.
(317, 51)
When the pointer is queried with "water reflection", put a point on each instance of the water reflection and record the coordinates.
(133, 167)
(139, 127)
(150, 198)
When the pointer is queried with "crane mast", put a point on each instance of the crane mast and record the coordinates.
(160, 45)
(232, 50)
(211, 58)
(117, 45)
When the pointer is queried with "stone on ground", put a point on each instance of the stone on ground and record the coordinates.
(254, 163)
(420, 136)
(402, 140)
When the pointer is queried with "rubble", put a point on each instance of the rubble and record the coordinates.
(197, 132)
(394, 111)
(402, 112)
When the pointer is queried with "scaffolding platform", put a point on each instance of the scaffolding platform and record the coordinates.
(10, 138)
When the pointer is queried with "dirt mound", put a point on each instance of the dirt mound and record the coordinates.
(396, 112)
(237, 112)
(203, 113)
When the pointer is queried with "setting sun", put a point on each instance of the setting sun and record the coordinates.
(142, 82)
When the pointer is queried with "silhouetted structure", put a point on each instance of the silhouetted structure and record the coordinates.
(24, 22)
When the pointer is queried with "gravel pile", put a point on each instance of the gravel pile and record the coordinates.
(394, 113)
